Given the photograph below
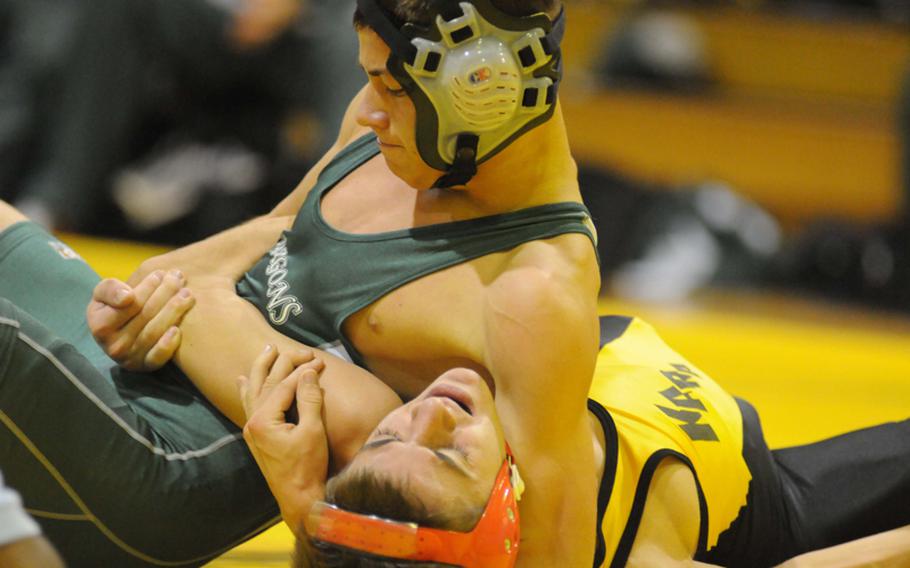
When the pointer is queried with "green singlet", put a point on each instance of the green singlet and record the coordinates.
(127, 469)
(119, 468)
(317, 276)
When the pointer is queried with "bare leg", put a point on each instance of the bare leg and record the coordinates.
(9, 215)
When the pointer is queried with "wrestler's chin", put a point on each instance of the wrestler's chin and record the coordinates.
(413, 171)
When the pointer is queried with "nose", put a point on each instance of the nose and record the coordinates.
(371, 112)
(432, 423)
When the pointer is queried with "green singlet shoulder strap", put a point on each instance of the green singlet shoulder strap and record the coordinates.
(347, 160)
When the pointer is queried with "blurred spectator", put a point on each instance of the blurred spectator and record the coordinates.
(21, 543)
(34, 37)
(868, 263)
(332, 64)
(903, 132)
(896, 11)
(657, 49)
(662, 244)
(202, 98)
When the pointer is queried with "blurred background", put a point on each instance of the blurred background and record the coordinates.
(167, 121)
(759, 143)
(747, 164)
(745, 143)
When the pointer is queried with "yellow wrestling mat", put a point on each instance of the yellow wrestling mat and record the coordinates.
(811, 369)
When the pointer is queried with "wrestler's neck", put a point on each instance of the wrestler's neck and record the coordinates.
(536, 169)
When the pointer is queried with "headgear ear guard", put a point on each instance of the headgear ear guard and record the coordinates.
(492, 543)
(478, 77)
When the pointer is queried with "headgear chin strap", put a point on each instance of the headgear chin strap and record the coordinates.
(479, 78)
(492, 543)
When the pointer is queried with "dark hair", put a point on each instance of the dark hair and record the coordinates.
(418, 11)
(366, 493)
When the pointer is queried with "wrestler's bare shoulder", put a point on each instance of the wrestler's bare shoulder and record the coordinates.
(565, 262)
(442, 319)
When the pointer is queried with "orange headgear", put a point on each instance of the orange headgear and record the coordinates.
(492, 543)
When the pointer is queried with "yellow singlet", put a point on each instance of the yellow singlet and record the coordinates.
(655, 405)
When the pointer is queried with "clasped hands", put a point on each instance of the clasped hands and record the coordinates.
(138, 327)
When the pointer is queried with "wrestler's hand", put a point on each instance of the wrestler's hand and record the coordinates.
(137, 327)
(293, 457)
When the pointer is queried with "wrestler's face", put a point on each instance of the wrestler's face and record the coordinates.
(390, 113)
(445, 446)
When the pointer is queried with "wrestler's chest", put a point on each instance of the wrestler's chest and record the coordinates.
(414, 333)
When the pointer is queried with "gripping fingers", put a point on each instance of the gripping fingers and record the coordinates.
(154, 299)
(164, 349)
(309, 393)
(269, 406)
(113, 304)
(309, 403)
(147, 287)
(260, 371)
(315, 364)
(282, 367)
(113, 310)
(281, 397)
(113, 293)
(286, 364)
(170, 316)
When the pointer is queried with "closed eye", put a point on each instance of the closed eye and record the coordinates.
(386, 433)
(384, 436)
(463, 452)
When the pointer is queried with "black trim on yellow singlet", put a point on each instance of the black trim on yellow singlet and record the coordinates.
(611, 458)
(638, 506)
(761, 535)
(612, 327)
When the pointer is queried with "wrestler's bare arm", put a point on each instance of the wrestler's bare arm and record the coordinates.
(229, 253)
(890, 548)
(119, 316)
(222, 336)
(541, 335)
(135, 324)
(668, 532)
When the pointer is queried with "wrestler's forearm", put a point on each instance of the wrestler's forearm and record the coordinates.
(558, 518)
(222, 336)
(890, 548)
(541, 337)
(229, 253)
